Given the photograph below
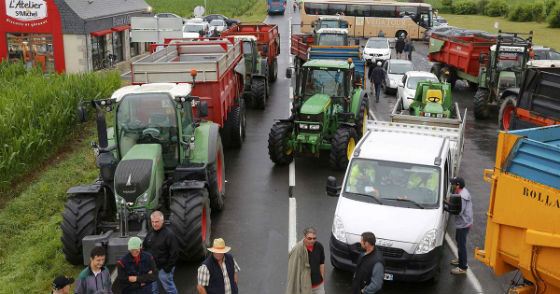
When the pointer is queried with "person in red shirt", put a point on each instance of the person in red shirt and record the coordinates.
(316, 254)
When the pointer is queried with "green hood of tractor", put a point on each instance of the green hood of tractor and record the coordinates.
(139, 176)
(316, 104)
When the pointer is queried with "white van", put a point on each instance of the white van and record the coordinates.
(395, 186)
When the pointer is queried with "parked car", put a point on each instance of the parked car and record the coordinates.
(543, 53)
(169, 15)
(407, 87)
(218, 25)
(195, 28)
(229, 21)
(376, 49)
(441, 21)
(395, 69)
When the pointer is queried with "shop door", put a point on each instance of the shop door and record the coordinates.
(118, 46)
(98, 52)
(32, 50)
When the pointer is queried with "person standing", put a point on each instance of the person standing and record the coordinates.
(399, 47)
(96, 277)
(409, 47)
(301, 269)
(377, 77)
(381, 34)
(137, 269)
(218, 274)
(370, 268)
(463, 223)
(161, 243)
(61, 285)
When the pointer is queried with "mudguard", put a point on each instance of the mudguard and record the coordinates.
(509, 92)
(187, 185)
(357, 97)
(85, 189)
(206, 141)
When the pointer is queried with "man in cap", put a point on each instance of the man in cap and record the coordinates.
(61, 285)
(218, 273)
(137, 269)
(463, 222)
(96, 277)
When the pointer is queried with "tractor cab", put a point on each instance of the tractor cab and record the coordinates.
(332, 37)
(331, 22)
(432, 100)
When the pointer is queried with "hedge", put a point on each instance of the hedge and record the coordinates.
(465, 7)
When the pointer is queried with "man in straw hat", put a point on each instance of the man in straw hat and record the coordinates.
(137, 269)
(218, 273)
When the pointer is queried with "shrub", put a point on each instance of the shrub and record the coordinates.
(548, 6)
(496, 8)
(482, 6)
(464, 7)
(527, 12)
(554, 17)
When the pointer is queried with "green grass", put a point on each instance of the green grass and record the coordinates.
(245, 10)
(542, 34)
(30, 247)
(437, 3)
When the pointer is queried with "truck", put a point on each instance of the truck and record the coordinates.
(327, 43)
(491, 64)
(396, 186)
(268, 42)
(522, 220)
(158, 154)
(538, 101)
(213, 68)
(276, 7)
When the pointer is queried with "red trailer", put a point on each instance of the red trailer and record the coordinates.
(268, 42)
(458, 57)
(300, 45)
(209, 65)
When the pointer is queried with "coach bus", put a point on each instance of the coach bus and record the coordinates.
(367, 18)
(276, 6)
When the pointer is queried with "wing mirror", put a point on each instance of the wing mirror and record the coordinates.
(202, 109)
(333, 189)
(454, 204)
(401, 84)
(288, 73)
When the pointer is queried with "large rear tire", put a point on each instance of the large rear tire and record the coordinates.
(278, 150)
(259, 93)
(217, 179)
(190, 220)
(480, 102)
(79, 219)
(342, 147)
(273, 72)
(507, 113)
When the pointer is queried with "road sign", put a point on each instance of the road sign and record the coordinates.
(199, 11)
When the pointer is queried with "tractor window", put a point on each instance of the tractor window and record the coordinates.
(332, 39)
(508, 60)
(329, 82)
(148, 119)
(247, 48)
(413, 81)
(187, 120)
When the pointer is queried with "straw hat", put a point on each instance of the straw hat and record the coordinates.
(219, 246)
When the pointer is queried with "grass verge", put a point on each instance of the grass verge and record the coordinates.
(246, 10)
(30, 248)
(541, 32)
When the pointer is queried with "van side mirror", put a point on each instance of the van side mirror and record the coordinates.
(288, 73)
(202, 109)
(401, 84)
(332, 189)
(453, 204)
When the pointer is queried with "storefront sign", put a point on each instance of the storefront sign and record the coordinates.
(26, 10)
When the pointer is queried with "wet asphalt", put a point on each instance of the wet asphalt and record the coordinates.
(254, 221)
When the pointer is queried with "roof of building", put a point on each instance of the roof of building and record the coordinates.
(90, 9)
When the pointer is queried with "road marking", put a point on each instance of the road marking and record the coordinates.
(372, 115)
(292, 221)
(114, 275)
(470, 275)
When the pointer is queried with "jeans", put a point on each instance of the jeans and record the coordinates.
(461, 238)
(377, 87)
(166, 280)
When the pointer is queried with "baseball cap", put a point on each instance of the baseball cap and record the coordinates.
(61, 282)
(458, 181)
(134, 243)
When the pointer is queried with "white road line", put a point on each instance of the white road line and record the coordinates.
(372, 115)
(470, 275)
(292, 177)
(292, 225)
(114, 276)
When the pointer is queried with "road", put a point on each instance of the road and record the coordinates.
(255, 219)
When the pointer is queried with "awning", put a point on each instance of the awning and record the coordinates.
(101, 33)
(121, 28)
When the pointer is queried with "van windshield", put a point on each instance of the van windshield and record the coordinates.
(393, 183)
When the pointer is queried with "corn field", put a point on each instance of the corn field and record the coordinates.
(38, 113)
(230, 8)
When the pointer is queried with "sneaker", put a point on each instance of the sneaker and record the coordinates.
(454, 262)
(458, 271)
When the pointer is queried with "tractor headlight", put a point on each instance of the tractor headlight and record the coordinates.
(439, 115)
(428, 242)
(142, 200)
(304, 126)
(338, 229)
(314, 127)
(427, 114)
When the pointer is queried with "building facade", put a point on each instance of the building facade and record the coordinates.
(69, 35)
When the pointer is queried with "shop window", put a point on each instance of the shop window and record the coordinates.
(134, 49)
(118, 46)
(98, 51)
(32, 50)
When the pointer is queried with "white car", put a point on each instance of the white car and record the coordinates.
(377, 49)
(218, 25)
(395, 69)
(407, 87)
(195, 28)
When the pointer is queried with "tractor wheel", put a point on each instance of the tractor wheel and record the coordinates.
(436, 68)
(480, 102)
(190, 220)
(234, 126)
(217, 179)
(259, 93)
(361, 121)
(278, 149)
(79, 219)
(343, 144)
(507, 113)
(473, 86)
(273, 72)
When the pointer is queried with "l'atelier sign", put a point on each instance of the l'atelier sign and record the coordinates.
(26, 10)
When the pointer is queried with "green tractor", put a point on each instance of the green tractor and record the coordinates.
(158, 155)
(432, 100)
(256, 73)
(329, 112)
